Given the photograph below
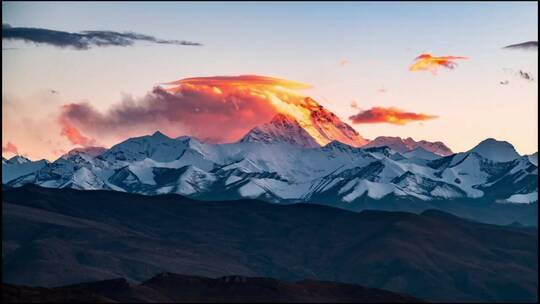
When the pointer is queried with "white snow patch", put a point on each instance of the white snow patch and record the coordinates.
(374, 190)
(523, 198)
(251, 190)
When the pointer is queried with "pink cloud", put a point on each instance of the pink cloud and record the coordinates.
(10, 148)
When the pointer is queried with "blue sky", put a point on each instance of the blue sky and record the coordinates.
(303, 42)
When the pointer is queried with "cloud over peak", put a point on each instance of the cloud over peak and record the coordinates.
(82, 40)
(218, 109)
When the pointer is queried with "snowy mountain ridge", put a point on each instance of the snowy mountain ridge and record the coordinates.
(278, 162)
(408, 144)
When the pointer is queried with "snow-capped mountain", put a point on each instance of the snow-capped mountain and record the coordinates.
(329, 127)
(91, 151)
(277, 162)
(421, 153)
(320, 128)
(499, 151)
(18, 166)
(281, 129)
(405, 145)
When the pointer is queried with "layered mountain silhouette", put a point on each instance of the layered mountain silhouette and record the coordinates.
(55, 237)
(174, 288)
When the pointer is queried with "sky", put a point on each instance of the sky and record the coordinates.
(356, 57)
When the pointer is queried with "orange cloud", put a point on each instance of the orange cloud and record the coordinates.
(426, 62)
(74, 135)
(344, 62)
(234, 82)
(10, 148)
(388, 115)
(216, 109)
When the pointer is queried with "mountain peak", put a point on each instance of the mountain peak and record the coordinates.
(157, 146)
(326, 126)
(409, 144)
(339, 146)
(281, 129)
(422, 153)
(18, 159)
(158, 134)
(91, 151)
(280, 118)
(496, 150)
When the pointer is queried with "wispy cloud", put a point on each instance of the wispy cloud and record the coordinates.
(74, 135)
(427, 62)
(82, 40)
(388, 115)
(529, 45)
(525, 75)
(519, 74)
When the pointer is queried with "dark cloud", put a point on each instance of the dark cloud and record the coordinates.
(529, 45)
(519, 74)
(82, 40)
(525, 75)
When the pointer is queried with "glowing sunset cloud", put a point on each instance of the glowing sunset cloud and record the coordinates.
(281, 95)
(388, 115)
(216, 109)
(237, 81)
(366, 53)
(426, 62)
(10, 148)
(73, 134)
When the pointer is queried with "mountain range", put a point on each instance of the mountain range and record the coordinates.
(53, 237)
(280, 162)
(174, 288)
